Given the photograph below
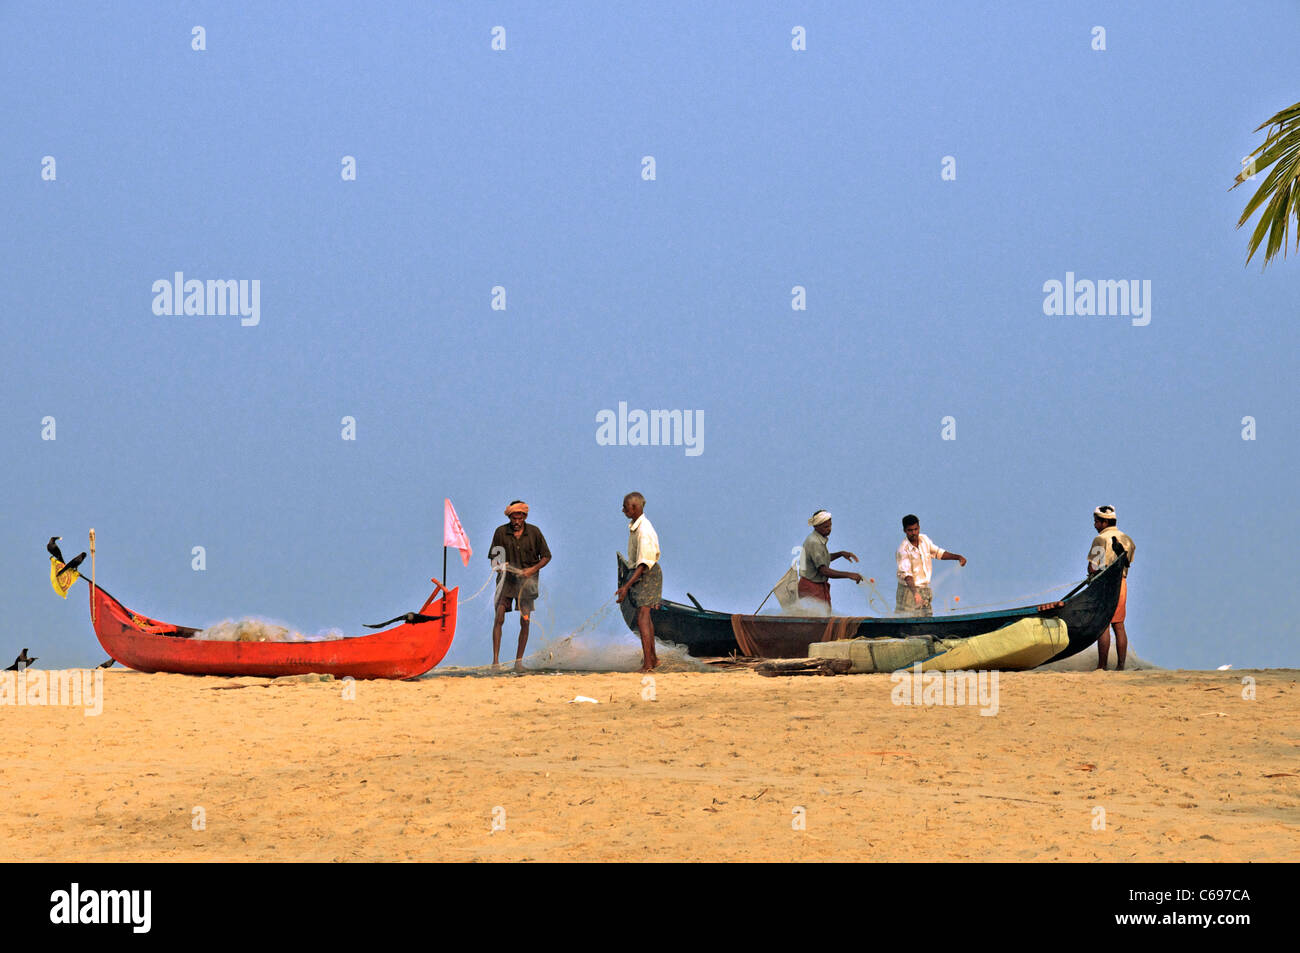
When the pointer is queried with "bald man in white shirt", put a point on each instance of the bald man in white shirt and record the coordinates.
(646, 584)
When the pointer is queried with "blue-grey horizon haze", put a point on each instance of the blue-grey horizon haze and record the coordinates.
(523, 169)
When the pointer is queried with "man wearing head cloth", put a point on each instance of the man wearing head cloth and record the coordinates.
(815, 572)
(1100, 555)
(521, 548)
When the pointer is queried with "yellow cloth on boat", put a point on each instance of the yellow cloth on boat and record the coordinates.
(1021, 645)
(61, 583)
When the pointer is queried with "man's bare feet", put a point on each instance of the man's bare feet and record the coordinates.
(519, 666)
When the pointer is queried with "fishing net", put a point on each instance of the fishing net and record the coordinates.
(603, 651)
(1086, 661)
(261, 630)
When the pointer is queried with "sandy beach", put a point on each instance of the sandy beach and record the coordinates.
(718, 766)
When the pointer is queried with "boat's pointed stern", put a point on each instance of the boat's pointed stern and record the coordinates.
(444, 603)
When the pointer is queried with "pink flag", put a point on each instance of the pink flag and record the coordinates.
(453, 534)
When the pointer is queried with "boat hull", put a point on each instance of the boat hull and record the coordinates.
(1086, 611)
(148, 645)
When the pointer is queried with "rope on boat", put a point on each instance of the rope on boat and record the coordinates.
(875, 594)
(480, 589)
(591, 622)
(496, 567)
(595, 618)
(1020, 599)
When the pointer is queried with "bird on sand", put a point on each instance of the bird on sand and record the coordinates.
(108, 664)
(22, 661)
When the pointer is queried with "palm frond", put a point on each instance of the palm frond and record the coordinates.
(1280, 188)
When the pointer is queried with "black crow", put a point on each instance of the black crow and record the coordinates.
(408, 618)
(22, 661)
(72, 566)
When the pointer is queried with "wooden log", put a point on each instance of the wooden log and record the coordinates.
(731, 661)
(804, 666)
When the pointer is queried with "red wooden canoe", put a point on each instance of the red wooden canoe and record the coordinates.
(148, 645)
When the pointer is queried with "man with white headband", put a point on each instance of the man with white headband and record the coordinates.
(522, 548)
(1101, 555)
(815, 572)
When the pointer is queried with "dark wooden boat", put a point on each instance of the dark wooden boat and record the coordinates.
(148, 645)
(703, 633)
(1086, 610)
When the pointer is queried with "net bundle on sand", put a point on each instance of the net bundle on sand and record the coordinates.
(586, 652)
(596, 652)
(1086, 661)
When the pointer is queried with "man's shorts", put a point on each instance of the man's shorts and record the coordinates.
(1122, 608)
(905, 601)
(815, 590)
(518, 593)
(649, 589)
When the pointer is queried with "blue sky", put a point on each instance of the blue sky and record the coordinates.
(522, 168)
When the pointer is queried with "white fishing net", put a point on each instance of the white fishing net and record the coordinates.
(1086, 661)
(607, 652)
(252, 629)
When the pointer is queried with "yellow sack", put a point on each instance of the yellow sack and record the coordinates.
(61, 583)
(1024, 644)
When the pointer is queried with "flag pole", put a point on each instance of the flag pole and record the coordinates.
(444, 564)
(92, 576)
